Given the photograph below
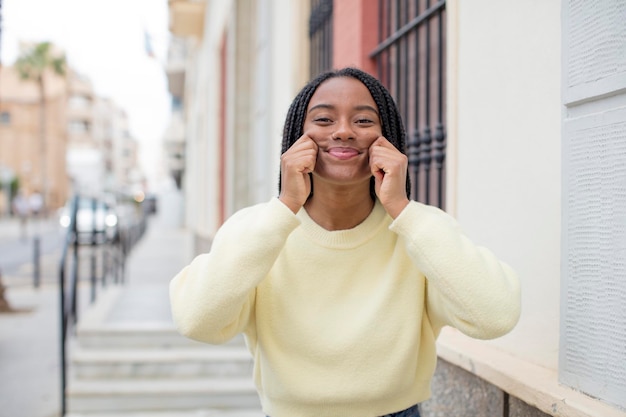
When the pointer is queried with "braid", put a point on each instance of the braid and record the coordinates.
(391, 121)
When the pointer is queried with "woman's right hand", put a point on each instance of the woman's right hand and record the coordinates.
(295, 165)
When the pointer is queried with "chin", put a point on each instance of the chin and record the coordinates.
(344, 177)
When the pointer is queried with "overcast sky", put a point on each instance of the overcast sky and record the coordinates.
(104, 40)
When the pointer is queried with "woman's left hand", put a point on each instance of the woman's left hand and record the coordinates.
(389, 167)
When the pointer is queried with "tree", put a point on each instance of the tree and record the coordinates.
(32, 66)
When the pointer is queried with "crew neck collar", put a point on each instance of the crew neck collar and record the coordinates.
(347, 238)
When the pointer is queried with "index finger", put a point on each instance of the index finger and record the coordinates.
(304, 139)
(382, 141)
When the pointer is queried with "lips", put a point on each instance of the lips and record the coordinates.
(343, 153)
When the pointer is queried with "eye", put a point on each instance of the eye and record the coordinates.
(322, 120)
(364, 121)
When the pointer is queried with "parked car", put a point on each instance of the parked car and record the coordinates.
(96, 222)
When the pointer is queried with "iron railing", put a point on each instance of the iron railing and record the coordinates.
(321, 36)
(410, 61)
(110, 251)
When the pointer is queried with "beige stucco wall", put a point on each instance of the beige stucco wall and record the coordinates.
(504, 143)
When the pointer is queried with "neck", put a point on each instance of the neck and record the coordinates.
(339, 209)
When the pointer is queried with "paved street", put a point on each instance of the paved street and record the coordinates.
(17, 246)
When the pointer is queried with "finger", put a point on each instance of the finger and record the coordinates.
(302, 162)
(382, 141)
(380, 157)
(307, 140)
(389, 161)
(299, 159)
(379, 151)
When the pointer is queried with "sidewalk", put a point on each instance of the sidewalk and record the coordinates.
(11, 228)
(29, 338)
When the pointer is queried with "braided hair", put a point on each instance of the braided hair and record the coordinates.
(391, 121)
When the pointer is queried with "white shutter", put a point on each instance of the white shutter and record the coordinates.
(592, 353)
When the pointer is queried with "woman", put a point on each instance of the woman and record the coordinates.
(341, 284)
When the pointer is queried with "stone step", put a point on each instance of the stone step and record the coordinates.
(213, 361)
(109, 323)
(132, 335)
(138, 335)
(192, 413)
(117, 396)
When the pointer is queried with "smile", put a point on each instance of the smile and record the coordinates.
(343, 153)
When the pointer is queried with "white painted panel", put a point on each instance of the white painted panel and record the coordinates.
(508, 153)
(593, 324)
(592, 352)
(594, 35)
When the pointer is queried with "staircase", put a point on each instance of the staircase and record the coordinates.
(145, 368)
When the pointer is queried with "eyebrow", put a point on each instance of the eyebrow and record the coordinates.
(331, 107)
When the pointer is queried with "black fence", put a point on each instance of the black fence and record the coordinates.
(95, 234)
(410, 61)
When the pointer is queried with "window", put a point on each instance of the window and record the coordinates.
(78, 126)
(321, 35)
(79, 102)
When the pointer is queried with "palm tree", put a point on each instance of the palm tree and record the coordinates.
(32, 66)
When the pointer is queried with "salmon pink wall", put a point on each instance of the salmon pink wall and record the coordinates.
(355, 33)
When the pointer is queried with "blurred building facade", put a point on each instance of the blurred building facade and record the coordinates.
(514, 118)
(244, 63)
(88, 147)
(117, 147)
(20, 146)
(85, 159)
(102, 156)
(174, 137)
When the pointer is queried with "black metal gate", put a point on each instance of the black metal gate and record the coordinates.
(410, 61)
(321, 36)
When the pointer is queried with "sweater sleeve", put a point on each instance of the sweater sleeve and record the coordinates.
(212, 298)
(467, 286)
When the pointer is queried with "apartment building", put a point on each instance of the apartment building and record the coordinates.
(23, 154)
(86, 145)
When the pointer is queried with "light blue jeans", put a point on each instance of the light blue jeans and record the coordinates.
(409, 412)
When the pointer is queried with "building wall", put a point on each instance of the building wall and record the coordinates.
(458, 392)
(102, 155)
(111, 137)
(81, 136)
(202, 177)
(20, 145)
(264, 50)
(355, 33)
(282, 70)
(506, 146)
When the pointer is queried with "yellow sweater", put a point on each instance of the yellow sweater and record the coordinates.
(343, 323)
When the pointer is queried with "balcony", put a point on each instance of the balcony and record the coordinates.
(187, 18)
(175, 67)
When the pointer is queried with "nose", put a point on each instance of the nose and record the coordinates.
(344, 131)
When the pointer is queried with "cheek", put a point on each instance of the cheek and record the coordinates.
(319, 134)
(370, 137)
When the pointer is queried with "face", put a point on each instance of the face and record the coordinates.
(342, 118)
